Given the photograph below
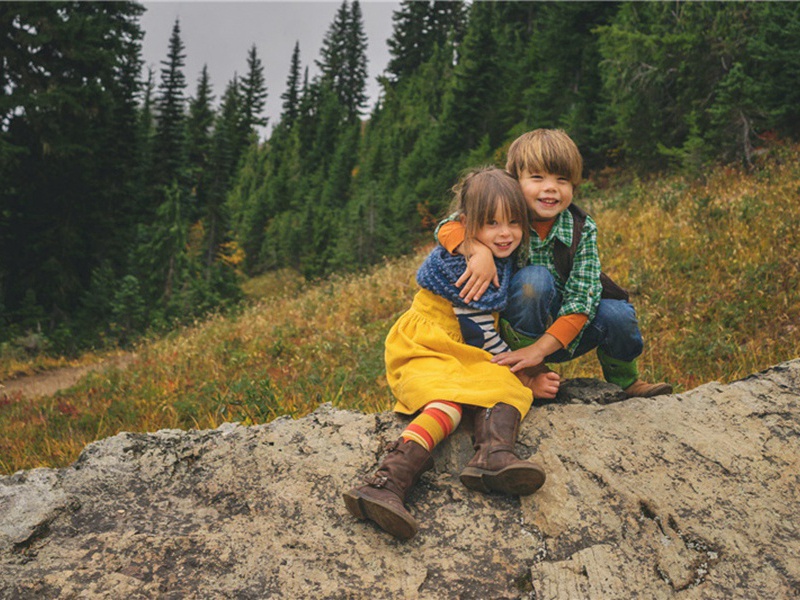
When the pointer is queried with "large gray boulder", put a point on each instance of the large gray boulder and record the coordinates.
(686, 496)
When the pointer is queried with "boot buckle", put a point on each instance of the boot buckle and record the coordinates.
(378, 481)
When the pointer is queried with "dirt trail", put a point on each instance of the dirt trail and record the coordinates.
(50, 382)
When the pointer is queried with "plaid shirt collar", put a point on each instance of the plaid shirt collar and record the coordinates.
(562, 229)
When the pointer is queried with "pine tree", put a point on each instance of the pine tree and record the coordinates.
(199, 127)
(401, 175)
(169, 149)
(332, 61)
(354, 78)
(291, 97)
(254, 93)
(409, 44)
(420, 26)
(229, 142)
(343, 59)
(146, 135)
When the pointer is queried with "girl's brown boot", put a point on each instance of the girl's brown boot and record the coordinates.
(496, 466)
(381, 499)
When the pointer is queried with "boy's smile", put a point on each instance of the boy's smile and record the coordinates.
(547, 194)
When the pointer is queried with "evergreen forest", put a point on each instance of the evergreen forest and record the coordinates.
(133, 201)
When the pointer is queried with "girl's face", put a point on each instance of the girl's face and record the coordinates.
(501, 234)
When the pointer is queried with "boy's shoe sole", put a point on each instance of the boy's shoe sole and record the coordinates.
(642, 389)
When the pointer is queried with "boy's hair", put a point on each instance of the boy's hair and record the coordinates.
(481, 191)
(548, 151)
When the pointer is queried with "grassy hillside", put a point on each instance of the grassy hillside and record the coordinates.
(714, 264)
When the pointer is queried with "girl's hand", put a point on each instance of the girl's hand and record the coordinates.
(480, 272)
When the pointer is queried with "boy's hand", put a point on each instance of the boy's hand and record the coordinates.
(530, 356)
(520, 359)
(480, 272)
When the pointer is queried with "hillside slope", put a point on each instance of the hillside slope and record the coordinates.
(713, 263)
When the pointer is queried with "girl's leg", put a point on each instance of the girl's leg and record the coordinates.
(382, 497)
(436, 421)
(496, 466)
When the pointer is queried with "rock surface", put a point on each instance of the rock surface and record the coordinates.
(685, 496)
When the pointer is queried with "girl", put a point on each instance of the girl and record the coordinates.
(438, 359)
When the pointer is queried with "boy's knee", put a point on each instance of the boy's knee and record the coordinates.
(533, 282)
(619, 320)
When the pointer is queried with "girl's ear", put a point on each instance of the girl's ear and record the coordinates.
(463, 219)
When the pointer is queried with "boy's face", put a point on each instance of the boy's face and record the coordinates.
(547, 195)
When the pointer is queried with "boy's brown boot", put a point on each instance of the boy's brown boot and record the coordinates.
(642, 389)
(381, 499)
(495, 465)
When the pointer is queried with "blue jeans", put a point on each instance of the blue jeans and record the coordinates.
(533, 305)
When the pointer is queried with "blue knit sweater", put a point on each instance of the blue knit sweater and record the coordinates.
(441, 270)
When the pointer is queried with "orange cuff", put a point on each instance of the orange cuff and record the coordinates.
(451, 235)
(566, 328)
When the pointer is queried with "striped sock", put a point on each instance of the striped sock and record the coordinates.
(436, 421)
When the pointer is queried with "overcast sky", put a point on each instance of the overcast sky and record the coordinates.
(220, 34)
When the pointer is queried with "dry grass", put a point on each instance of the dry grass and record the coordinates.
(715, 266)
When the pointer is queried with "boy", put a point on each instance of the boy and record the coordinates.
(556, 313)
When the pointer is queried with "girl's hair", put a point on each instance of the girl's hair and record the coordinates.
(481, 191)
(548, 151)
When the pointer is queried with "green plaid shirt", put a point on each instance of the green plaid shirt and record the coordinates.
(581, 292)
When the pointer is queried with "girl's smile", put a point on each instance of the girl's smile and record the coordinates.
(501, 235)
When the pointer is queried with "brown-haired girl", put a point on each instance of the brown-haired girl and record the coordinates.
(438, 360)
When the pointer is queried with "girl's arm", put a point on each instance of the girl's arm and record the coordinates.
(481, 270)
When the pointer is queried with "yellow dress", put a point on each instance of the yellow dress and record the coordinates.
(427, 360)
